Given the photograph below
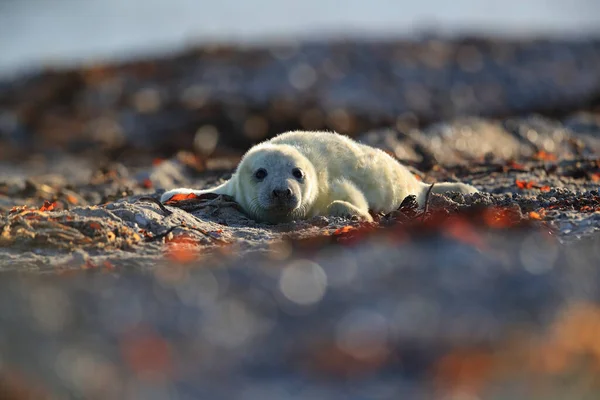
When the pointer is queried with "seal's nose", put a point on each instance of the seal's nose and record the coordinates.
(282, 194)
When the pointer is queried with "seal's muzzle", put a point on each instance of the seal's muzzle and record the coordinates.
(282, 194)
(283, 198)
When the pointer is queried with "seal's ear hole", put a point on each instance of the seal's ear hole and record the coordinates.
(298, 173)
(260, 174)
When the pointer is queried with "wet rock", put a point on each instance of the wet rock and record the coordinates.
(468, 139)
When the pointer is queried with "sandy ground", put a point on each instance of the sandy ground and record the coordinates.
(542, 167)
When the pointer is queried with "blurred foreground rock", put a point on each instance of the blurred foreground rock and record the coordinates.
(495, 314)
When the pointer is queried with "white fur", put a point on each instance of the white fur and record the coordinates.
(343, 178)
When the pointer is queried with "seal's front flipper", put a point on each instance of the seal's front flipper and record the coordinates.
(340, 208)
(224, 188)
(347, 200)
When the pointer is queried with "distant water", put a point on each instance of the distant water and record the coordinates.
(51, 32)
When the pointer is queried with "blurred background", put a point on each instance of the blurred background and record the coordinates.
(148, 76)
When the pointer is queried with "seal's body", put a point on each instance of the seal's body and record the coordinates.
(299, 174)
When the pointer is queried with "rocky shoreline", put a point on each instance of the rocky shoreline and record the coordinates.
(106, 294)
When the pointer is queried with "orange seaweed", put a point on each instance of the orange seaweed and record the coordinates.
(344, 229)
(535, 215)
(544, 155)
(48, 206)
(180, 197)
(524, 184)
(515, 165)
(181, 248)
(147, 183)
(500, 217)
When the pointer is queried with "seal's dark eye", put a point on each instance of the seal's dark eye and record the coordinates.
(260, 174)
(298, 173)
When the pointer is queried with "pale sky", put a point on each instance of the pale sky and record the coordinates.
(63, 31)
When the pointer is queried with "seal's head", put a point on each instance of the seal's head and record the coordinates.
(277, 183)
